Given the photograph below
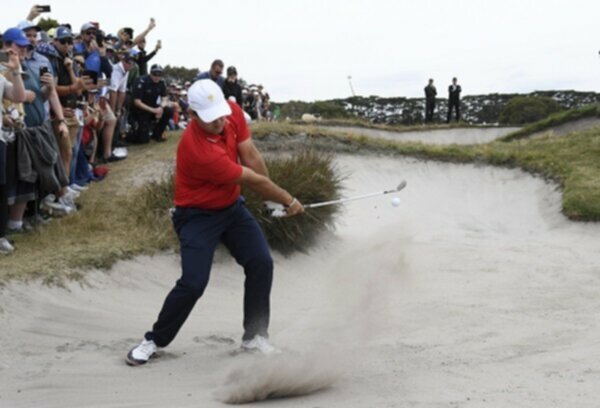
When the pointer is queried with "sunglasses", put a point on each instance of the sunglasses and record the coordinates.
(64, 41)
(90, 33)
(157, 74)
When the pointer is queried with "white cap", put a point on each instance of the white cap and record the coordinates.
(207, 100)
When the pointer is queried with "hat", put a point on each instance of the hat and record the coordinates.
(231, 71)
(88, 26)
(156, 68)
(207, 100)
(52, 32)
(15, 35)
(63, 32)
(28, 25)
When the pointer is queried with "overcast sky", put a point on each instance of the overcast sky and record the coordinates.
(305, 50)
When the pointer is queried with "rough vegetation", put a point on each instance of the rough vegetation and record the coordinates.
(522, 110)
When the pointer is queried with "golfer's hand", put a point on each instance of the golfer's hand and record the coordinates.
(295, 208)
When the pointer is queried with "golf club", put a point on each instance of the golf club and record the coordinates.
(278, 210)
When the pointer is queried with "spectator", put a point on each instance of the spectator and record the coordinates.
(454, 91)
(13, 90)
(430, 94)
(250, 104)
(231, 87)
(150, 118)
(93, 49)
(117, 95)
(216, 70)
(142, 58)
(36, 62)
(69, 86)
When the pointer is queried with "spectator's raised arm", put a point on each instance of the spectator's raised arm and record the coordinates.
(144, 33)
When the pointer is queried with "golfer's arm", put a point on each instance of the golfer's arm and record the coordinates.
(251, 157)
(264, 186)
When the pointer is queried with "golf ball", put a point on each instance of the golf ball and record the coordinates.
(395, 201)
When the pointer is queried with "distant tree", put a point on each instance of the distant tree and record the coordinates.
(181, 74)
(328, 109)
(47, 23)
(527, 109)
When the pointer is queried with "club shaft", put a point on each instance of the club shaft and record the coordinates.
(358, 197)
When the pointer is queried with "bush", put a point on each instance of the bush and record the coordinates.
(527, 109)
(310, 176)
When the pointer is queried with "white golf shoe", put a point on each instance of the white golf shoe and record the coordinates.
(259, 344)
(141, 353)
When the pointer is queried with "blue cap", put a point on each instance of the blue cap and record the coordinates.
(15, 35)
(63, 32)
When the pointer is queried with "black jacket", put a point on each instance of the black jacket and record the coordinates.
(430, 92)
(454, 94)
(233, 89)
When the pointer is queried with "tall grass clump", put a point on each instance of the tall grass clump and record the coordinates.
(308, 175)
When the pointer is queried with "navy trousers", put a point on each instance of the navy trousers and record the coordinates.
(199, 233)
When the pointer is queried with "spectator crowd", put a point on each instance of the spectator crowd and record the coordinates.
(73, 100)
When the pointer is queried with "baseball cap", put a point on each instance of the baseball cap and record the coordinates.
(27, 25)
(231, 71)
(15, 35)
(207, 100)
(62, 32)
(156, 68)
(88, 26)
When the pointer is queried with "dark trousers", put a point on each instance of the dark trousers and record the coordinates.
(3, 190)
(145, 126)
(453, 105)
(429, 108)
(199, 233)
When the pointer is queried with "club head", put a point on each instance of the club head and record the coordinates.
(401, 185)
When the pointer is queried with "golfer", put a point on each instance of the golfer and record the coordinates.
(214, 157)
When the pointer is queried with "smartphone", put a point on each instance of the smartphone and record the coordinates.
(43, 9)
(43, 70)
(92, 74)
(4, 56)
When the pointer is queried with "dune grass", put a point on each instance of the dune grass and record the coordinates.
(119, 221)
(553, 120)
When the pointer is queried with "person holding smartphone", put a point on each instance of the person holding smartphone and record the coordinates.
(12, 90)
(69, 87)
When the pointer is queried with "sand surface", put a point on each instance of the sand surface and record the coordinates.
(474, 292)
(461, 136)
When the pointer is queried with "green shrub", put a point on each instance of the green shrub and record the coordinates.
(527, 109)
(309, 175)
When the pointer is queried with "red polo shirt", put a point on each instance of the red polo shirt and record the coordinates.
(207, 164)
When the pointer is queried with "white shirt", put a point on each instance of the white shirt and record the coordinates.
(118, 79)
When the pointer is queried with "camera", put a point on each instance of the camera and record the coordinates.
(43, 70)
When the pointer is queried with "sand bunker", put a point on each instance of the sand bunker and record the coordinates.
(460, 136)
(475, 291)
